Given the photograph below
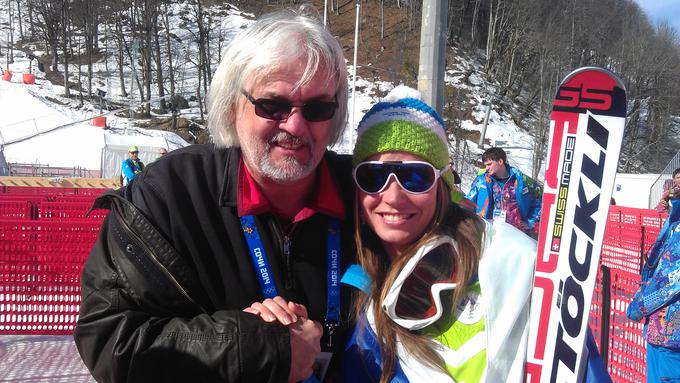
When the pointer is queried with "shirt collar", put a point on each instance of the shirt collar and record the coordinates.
(325, 198)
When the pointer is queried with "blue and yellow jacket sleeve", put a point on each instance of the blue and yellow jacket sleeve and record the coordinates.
(479, 194)
(535, 198)
(128, 172)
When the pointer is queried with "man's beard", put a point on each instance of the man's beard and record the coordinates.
(285, 170)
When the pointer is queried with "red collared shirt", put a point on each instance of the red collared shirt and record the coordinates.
(325, 199)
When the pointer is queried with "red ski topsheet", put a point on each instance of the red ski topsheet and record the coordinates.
(586, 130)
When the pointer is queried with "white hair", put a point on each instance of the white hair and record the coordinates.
(266, 46)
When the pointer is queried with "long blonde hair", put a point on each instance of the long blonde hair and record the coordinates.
(449, 219)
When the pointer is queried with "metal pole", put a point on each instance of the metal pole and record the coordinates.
(325, 11)
(642, 249)
(486, 122)
(133, 77)
(604, 324)
(433, 52)
(354, 75)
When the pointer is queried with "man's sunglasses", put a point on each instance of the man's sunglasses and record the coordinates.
(414, 300)
(312, 111)
(415, 177)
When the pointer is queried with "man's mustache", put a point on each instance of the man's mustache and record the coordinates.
(287, 138)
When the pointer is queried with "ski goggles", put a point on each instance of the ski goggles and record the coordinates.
(414, 300)
(415, 177)
(312, 111)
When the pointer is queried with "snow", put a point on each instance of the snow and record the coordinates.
(39, 126)
(26, 109)
(62, 148)
(32, 133)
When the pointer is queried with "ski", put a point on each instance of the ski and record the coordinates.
(586, 131)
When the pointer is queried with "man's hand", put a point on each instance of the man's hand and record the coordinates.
(305, 334)
(305, 346)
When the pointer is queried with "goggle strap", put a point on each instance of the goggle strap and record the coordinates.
(390, 301)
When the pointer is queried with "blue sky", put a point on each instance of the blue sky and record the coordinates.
(662, 9)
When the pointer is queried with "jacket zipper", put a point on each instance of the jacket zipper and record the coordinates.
(285, 241)
(158, 263)
(290, 283)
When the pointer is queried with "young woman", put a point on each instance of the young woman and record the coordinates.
(447, 294)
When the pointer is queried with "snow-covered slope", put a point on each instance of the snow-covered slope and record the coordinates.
(32, 132)
(28, 109)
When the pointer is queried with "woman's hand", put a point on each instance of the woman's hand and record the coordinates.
(278, 309)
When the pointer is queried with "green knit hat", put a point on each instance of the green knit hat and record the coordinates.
(402, 122)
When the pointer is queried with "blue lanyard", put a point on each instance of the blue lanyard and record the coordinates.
(332, 319)
(266, 278)
(258, 256)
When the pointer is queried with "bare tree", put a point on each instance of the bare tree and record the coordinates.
(10, 35)
(171, 72)
(19, 19)
(84, 17)
(49, 22)
(65, 41)
(159, 70)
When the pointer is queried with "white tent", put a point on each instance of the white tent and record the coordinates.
(115, 151)
(4, 168)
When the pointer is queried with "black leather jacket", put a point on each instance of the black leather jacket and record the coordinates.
(165, 284)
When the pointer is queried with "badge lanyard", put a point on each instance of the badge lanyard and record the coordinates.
(266, 278)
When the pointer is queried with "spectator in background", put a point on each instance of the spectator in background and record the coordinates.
(162, 152)
(671, 193)
(131, 165)
(502, 192)
(657, 300)
(457, 194)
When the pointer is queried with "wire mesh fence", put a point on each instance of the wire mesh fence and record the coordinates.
(664, 182)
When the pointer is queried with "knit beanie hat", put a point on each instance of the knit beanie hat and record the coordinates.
(402, 122)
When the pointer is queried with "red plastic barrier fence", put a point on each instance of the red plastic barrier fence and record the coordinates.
(627, 347)
(16, 209)
(41, 260)
(647, 221)
(595, 318)
(621, 246)
(40, 267)
(44, 240)
(629, 235)
(32, 198)
(52, 191)
(67, 210)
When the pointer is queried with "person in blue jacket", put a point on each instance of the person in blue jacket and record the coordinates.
(657, 302)
(132, 165)
(502, 192)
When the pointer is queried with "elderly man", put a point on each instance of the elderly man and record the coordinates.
(256, 223)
